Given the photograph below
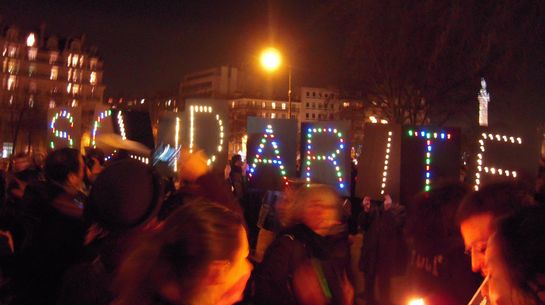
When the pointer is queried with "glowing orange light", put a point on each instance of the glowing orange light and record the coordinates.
(271, 59)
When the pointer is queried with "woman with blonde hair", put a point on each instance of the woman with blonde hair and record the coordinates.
(307, 263)
(199, 257)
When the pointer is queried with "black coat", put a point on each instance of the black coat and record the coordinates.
(53, 241)
(384, 247)
(292, 248)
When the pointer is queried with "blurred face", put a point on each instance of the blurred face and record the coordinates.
(238, 272)
(476, 230)
(320, 216)
(500, 289)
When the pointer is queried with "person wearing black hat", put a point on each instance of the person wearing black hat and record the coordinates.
(54, 228)
(123, 203)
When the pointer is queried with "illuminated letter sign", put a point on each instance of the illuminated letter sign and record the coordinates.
(428, 155)
(97, 124)
(325, 149)
(271, 151)
(64, 129)
(379, 162)
(168, 142)
(275, 161)
(195, 109)
(502, 156)
(206, 128)
(431, 138)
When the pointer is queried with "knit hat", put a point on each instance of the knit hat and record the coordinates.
(126, 194)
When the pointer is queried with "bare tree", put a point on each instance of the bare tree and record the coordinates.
(424, 58)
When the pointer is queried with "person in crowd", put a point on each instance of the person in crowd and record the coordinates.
(515, 259)
(308, 262)
(54, 228)
(197, 180)
(384, 253)
(94, 164)
(198, 257)
(480, 209)
(237, 176)
(476, 216)
(123, 203)
(438, 270)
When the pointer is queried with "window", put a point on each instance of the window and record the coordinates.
(11, 66)
(75, 88)
(11, 82)
(75, 59)
(69, 88)
(233, 104)
(32, 53)
(313, 115)
(306, 114)
(273, 115)
(31, 69)
(93, 80)
(346, 104)
(308, 94)
(308, 105)
(51, 104)
(263, 105)
(12, 50)
(54, 73)
(7, 148)
(313, 105)
(283, 106)
(32, 86)
(273, 105)
(53, 57)
(93, 63)
(331, 106)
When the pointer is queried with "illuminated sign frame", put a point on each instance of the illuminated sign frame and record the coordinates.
(430, 137)
(333, 157)
(480, 159)
(204, 109)
(62, 134)
(277, 161)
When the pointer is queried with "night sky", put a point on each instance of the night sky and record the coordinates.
(147, 46)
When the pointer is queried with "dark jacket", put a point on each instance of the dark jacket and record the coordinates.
(383, 246)
(208, 186)
(291, 249)
(53, 241)
(237, 181)
(440, 272)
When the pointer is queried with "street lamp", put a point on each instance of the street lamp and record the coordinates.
(271, 60)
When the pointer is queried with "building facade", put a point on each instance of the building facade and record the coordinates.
(218, 82)
(242, 108)
(39, 73)
(318, 104)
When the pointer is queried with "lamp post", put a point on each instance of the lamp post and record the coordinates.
(271, 60)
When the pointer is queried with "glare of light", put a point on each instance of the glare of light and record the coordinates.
(383, 121)
(270, 59)
(30, 40)
(416, 302)
(373, 119)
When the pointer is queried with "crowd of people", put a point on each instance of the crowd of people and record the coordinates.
(76, 229)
